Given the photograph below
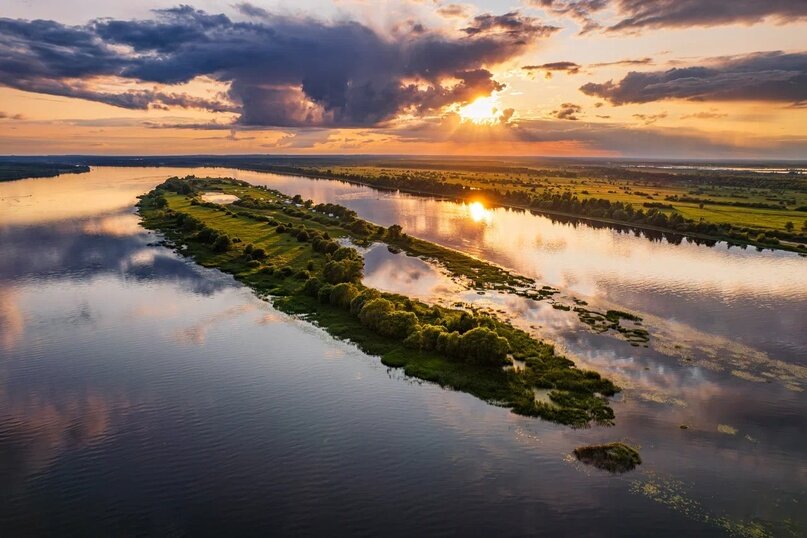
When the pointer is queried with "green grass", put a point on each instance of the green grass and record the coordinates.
(577, 396)
(612, 457)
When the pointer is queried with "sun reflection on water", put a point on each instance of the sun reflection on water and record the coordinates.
(478, 212)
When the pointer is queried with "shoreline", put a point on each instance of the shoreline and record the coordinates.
(289, 254)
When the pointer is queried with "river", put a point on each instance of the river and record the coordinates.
(142, 394)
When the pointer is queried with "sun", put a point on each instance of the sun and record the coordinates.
(481, 111)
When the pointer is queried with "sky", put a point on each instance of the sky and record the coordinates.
(671, 79)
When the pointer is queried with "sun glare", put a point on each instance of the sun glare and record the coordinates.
(480, 111)
(478, 212)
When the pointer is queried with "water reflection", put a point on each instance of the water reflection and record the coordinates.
(399, 273)
(210, 412)
(478, 212)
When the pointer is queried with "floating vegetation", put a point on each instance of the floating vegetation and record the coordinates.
(728, 430)
(612, 457)
(612, 320)
(673, 494)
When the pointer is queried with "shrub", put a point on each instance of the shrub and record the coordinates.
(448, 343)
(360, 227)
(347, 270)
(394, 231)
(302, 274)
(380, 315)
(248, 249)
(222, 244)
(368, 294)
(342, 294)
(312, 286)
(207, 235)
(483, 346)
(429, 335)
(286, 271)
(373, 311)
(258, 254)
(324, 293)
(344, 253)
(414, 340)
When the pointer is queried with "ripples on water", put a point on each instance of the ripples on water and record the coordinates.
(142, 394)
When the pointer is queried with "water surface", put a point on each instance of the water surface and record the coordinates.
(141, 394)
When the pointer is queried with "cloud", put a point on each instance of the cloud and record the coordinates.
(580, 10)
(514, 25)
(640, 14)
(762, 76)
(545, 136)
(635, 15)
(626, 61)
(567, 67)
(568, 111)
(649, 119)
(454, 10)
(280, 71)
(251, 10)
(706, 115)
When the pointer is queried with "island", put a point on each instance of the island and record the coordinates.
(300, 256)
(611, 457)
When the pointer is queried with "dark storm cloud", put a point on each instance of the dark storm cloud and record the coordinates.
(763, 76)
(639, 14)
(282, 71)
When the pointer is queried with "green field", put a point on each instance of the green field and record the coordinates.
(741, 207)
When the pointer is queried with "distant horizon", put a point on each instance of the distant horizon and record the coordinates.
(715, 161)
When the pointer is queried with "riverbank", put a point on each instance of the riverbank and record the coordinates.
(288, 249)
(791, 246)
(12, 170)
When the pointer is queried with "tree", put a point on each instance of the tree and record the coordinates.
(373, 311)
(483, 346)
(342, 294)
(222, 244)
(789, 226)
(398, 324)
(394, 231)
(347, 270)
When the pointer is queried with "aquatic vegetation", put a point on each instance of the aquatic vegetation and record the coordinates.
(612, 457)
(726, 429)
(674, 495)
(293, 254)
